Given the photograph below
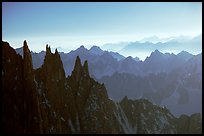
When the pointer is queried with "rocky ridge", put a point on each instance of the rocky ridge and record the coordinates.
(46, 101)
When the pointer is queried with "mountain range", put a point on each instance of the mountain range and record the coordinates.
(44, 100)
(150, 44)
(156, 78)
(112, 62)
(180, 90)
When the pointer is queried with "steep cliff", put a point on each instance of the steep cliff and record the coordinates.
(55, 99)
(74, 104)
(20, 101)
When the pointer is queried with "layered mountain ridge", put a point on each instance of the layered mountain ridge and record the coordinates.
(95, 55)
(166, 79)
(44, 100)
(160, 78)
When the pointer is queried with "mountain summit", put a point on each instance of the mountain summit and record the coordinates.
(96, 50)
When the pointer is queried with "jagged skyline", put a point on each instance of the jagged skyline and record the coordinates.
(93, 67)
(133, 49)
(81, 100)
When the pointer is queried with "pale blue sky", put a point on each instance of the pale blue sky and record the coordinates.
(72, 24)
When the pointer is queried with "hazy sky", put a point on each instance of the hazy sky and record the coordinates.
(70, 25)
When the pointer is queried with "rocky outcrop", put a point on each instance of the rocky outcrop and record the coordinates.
(54, 99)
(12, 88)
(93, 106)
(20, 101)
(74, 104)
(146, 118)
(46, 101)
(143, 117)
(190, 124)
(31, 104)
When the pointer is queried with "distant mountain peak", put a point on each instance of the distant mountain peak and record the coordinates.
(106, 53)
(117, 56)
(19, 51)
(183, 52)
(136, 59)
(94, 47)
(96, 50)
(129, 58)
(185, 55)
(156, 53)
(82, 47)
(107, 56)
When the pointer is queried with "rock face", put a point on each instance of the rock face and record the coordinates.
(46, 101)
(50, 81)
(189, 125)
(20, 99)
(180, 90)
(143, 117)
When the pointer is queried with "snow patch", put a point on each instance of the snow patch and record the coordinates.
(72, 128)
(51, 130)
(105, 118)
(144, 106)
(77, 123)
(122, 119)
(143, 116)
(38, 87)
(54, 114)
(133, 106)
(62, 119)
(46, 102)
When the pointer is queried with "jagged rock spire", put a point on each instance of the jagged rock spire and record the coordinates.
(48, 49)
(77, 63)
(77, 69)
(56, 52)
(27, 55)
(25, 48)
(85, 68)
(53, 64)
(25, 43)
